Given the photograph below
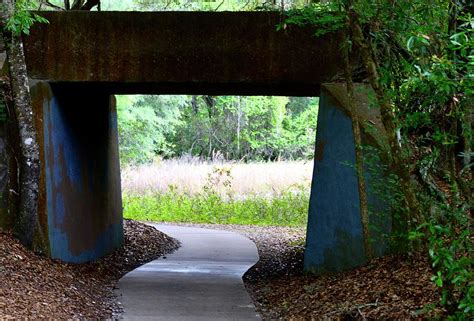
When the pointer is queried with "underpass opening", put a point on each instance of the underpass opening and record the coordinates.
(217, 159)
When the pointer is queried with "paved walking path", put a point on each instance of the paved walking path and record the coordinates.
(202, 280)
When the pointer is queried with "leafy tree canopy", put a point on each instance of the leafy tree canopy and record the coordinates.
(230, 127)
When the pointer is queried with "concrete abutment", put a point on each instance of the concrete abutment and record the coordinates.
(334, 235)
(80, 208)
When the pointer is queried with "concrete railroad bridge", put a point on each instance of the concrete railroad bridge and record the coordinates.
(78, 62)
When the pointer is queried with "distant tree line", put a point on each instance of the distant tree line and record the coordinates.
(225, 127)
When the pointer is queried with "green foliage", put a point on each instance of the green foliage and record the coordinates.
(431, 85)
(22, 19)
(451, 250)
(253, 128)
(114, 5)
(325, 17)
(230, 127)
(145, 122)
(287, 208)
(438, 93)
(209, 5)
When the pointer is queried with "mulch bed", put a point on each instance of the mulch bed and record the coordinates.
(33, 286)
(392, 288)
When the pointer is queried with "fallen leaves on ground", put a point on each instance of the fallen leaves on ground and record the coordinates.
(35, 287)
(392, 287)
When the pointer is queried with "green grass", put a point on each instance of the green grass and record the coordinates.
(288, 208)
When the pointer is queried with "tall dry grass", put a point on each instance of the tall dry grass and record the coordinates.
(191, 175)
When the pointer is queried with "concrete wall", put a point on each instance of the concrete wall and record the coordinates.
(334, 234)
(80, 209)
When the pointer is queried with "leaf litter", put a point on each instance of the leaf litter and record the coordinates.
(35, 287)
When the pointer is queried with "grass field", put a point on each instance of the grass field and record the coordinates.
(274, 193)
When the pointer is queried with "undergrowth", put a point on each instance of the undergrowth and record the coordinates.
(217, 204)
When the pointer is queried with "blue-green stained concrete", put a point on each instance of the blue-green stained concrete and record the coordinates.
(334, 235)
(82, 202)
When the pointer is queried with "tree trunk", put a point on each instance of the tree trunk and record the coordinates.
(239, 118)
(91, 4)
(359, 157)
(398, 161)
(29, 170)
(77, 4)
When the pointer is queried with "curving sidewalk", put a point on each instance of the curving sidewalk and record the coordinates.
(202, 280)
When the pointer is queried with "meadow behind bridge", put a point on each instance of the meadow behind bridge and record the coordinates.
(195, 191)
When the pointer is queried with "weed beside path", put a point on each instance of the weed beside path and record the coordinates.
(266, 194)
(286, 209)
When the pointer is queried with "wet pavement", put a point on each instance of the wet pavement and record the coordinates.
(202, 280)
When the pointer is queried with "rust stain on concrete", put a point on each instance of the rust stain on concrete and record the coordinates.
(319, 150)
(195, 50)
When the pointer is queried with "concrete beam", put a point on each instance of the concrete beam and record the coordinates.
(182, 52)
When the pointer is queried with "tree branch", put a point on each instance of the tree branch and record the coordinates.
(359, 157)
(51, 5)
(398, 161)
(77, 4)
(90, 4)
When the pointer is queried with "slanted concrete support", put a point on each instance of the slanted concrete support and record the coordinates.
(80, 209)
(334, 235)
